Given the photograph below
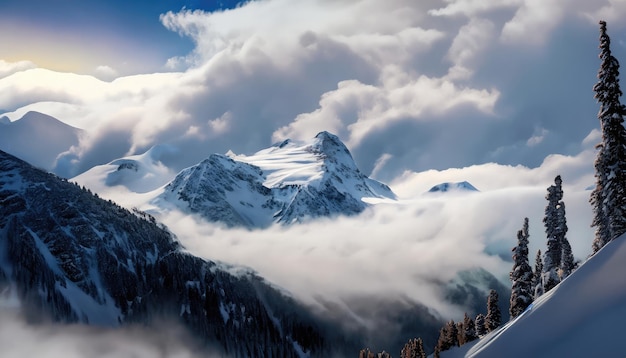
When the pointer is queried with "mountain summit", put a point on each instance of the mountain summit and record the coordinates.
(452, 187)
(287, 183)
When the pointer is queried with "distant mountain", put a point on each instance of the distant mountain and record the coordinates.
(452, 187)
(287, 183)
(138, 173)
(37, 138)
(69, 256)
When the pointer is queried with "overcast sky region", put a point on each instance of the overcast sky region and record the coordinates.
(498, 93)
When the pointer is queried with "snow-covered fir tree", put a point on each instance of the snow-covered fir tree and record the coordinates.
(448, 337)
(469, 330)
(452, 334)
(479, 323)
(609, 196)
(567, 261)
(521, 275)
(537, 275)
(414, 348)
(600, 220)
(556, 229)
(493, 319)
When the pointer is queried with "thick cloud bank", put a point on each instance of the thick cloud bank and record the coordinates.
(411, 247)
(20, 339)
(407, 85)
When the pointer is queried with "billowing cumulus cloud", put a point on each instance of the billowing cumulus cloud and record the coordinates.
(426, 85)
(9, 68)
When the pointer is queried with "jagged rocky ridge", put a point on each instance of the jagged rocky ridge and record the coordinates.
(72, 257)
(286, 183)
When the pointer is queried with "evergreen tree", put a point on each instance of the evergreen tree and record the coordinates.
(437, 352)
(522, 275)
(452, 334)
(567, 262)
(493, 319)
(556, 228)
(537, 274)
(600, 219)
(442, 342)
(469, 330)
(461, 335)
(609, 196)
(481, 330)
(414, 348)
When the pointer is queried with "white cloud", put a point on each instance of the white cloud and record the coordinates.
(471, 40)
(397, 77)
(19, 339)
(613, 11)
(538, 137)
(410, 247)
(471, 8)
(533, 20)
(361, 109)
(9, 68)
(106, 73)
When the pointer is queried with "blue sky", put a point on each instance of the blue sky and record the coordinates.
(73, 35)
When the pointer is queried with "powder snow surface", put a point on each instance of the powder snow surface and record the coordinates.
(582, 317)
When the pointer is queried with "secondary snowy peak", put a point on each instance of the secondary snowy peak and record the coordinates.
(138, 173)
(286, 183)
(452, 187)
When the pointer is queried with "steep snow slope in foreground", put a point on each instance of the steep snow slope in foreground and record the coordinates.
(582, 317)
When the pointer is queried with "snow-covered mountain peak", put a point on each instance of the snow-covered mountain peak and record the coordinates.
(285, 183)
(453, 187)
(138, 173)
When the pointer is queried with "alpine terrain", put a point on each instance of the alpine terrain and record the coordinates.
(287, 183)
(69, 256)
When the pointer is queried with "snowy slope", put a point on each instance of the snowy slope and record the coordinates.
(582, 317)
(286, 183)
(133, 174)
